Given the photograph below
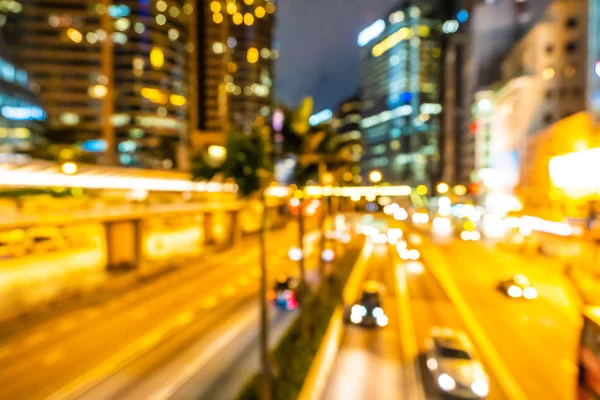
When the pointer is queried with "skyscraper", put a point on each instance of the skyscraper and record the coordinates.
(593, 67)
(401, 95)
(112, 70)
(235, 62)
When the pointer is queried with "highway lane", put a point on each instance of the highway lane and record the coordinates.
(369, 363)
(536, 339)
(430, 307)
(36, 363)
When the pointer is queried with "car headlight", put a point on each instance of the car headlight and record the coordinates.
(359, 310)
(355, 318)
(382, 321)
(432, 364)
(514, 291)
(480, 388)
(446, 382)
(377, 312)
(530, 293)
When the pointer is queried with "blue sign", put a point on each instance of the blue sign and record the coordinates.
(23, 113)
(94, 146)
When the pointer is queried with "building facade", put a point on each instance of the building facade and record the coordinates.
(401, 94)
(114, 71)
(593, 70)
(347, 122)
(492, 29)
(21, 115)
(235, 63)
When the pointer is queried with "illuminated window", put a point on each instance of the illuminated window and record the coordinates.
(252, 55)
(157, 57)
(188, 8)
(265, 53)
(173, 34)
(218, 48)
(231, 8)
(217, 18)
(174, 12)
(161, 19)
(122, 24)
(139, 27)
(548, 73)
(74, 35)
(161, 5)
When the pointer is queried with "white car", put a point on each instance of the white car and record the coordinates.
(454, 366)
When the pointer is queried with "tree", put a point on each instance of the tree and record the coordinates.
(248, 162)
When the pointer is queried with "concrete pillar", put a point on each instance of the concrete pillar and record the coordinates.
(123, 244)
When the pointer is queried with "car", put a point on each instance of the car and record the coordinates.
(368, 311)
(518, 287)
(283, 294)
(451, 360)
(406, 253)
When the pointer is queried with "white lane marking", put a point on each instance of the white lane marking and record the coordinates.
(34, 339)
(53, 357)
(203, 359)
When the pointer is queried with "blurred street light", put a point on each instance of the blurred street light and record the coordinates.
(422, 190)
(69, 168)
(375, 176)
(442, 188)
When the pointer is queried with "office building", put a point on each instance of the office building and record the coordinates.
(235, 63)
(21, 115)
(492, 28)
(593, 68)
(401, 94)
(115, 73)
(346, 122)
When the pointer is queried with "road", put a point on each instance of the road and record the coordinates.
(79, 349)
(536, 340)
(369, 363)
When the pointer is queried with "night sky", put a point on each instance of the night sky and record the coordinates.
(318, 51)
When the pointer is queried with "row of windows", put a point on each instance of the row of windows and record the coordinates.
(570, 47)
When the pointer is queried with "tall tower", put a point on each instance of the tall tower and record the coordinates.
(401, 95)
(236, 62)
(116, 70)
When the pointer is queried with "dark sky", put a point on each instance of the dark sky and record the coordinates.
(318, 54)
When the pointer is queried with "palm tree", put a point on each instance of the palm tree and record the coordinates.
(249, 162)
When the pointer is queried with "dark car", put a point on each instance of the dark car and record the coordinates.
(283, 294)
(368, 311)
